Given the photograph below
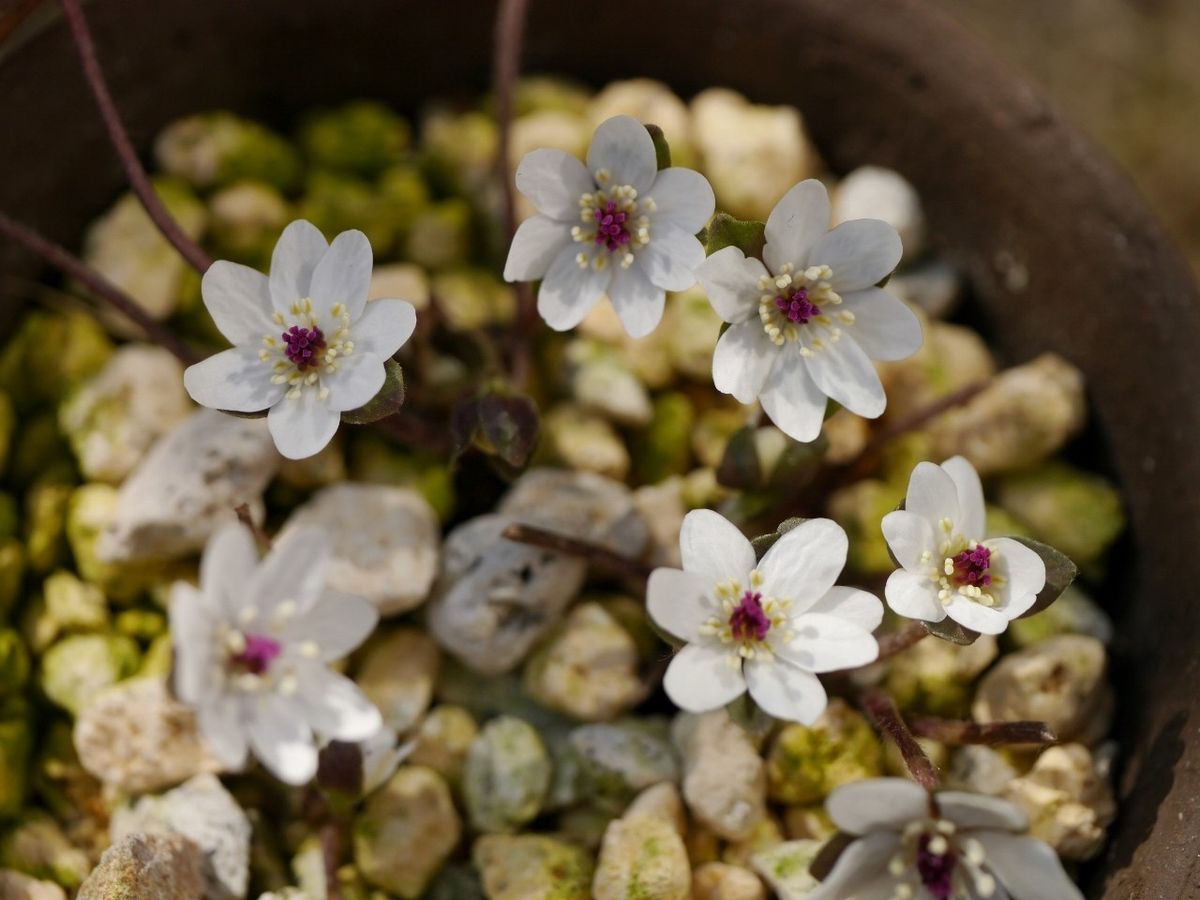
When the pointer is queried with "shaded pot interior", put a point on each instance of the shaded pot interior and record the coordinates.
(1060, 252)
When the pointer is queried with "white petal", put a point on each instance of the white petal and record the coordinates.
(786, 692)
(883, 326)
(712, 546)
(293, 262)
(976, 616)
(852, 605)
(878, 804)
(742, 361)
(683, 197)
(700, 678)
(932, 495)
(623, 148)
(336, 623)
(229, 560)
(977, 811)
(554, 181)
(795, 225)
(537, 241)
(293, 571)
(972, 514)
(282, 739)
(193, 634)
(730, 279)
(221, 725)
(358, 378)
(805, 562)
(671, 258)
(842, 371)
(334, 706)
(826, 643)
(569, 291)
(860, 865)
(639, 304)
(1024, 569)
(235, 380)
(910, 536)
(679, 602)
(302, 426)
(384, 327)
(1028, 868)
(913, 596)
(861, 252)
(239, 300)
(343, 275)
(792, 399)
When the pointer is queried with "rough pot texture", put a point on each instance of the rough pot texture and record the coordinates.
(1061, 252)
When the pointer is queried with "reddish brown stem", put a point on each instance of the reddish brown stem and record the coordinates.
(898, 641)
(879, 705)
(562, 543)
(991, 734)
(96, 284)
(260, 536)
(331, 853)
(923, 417)
(138, 179)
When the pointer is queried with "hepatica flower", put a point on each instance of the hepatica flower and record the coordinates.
(807, 319)
(915, 846)
(253, 646)
(307, 346)
(949, 567)
(617, 226)
(768, 626)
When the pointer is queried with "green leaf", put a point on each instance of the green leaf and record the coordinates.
(662, 151)
(949, 630)
(502, 426)
(1060, 572)
(257, 414)
(751, 718)
(740, 467)
(828, 855)
(798, 465)
(765, 542)
(726, 231)
(387, 402)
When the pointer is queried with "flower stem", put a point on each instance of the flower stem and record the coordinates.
(879, 705)
(260, 536)
(562, 543)
(138, 179)
(509, 36)
(898, 641)
(96, 284)
(991, 734)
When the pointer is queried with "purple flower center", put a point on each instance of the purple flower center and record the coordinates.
(258, 654)
(304, 346)
(611, 230)
(971, 567)
(936, 871)
(749, 622)
(797, 307)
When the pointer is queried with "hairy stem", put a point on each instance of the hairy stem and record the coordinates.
(991, 734)
(138, 179)
(96, 285)
(879, 705)
(898, 641)
(562, 543)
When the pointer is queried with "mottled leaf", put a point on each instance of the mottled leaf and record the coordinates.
(828, 855)
(765, 542)
(662, 150)
(387, 402)
(726, 231)
(740, 467)
(949, 630)
(502, 426)
(340, 768)
(1060, 572)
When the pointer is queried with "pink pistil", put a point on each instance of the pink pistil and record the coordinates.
(304, 346)
(259, 653)
(937, 872)
(971, 567)
(611, 230)
(749, 622)
(797, 307)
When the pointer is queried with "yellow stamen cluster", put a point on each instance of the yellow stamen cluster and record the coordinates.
(625, 198)
(943, 838)
(729, 594)
(952, 545)
(338, 345)
(816, 281)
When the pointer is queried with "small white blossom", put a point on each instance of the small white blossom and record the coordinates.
(769, 626)
(253, 646)
(618, 226)
(806, 325)
(950, 568)
(306, 343)
(912, 845)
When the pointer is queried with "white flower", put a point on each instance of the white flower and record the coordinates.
(949, 567)
(769, 626)
(382, 754)
(306, 344)
(252, 648)
(619, 226)
(917, 846)
(806, 325)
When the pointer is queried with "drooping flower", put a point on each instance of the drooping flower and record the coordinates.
(949, 566)
(617, 226)
(307, 346)
(253, 645)
(945, 846)
(806, 324)
(768, 626)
